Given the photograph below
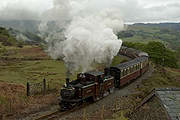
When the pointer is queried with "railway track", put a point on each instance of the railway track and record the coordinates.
(48, 116)
(58, 114)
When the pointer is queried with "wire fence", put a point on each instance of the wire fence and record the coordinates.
(40, 88)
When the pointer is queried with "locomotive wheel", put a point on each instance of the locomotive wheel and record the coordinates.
(63, 107)
(66, 106)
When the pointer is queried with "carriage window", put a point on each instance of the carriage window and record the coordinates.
(125, 72)
(122, 73)
(133, 68)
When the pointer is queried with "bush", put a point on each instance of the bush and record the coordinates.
(3, 51)
(9, 42)
(20, 44)
(125, 34)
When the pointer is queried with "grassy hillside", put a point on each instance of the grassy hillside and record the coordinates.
(168, 33)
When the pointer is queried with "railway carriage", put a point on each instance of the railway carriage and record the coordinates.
(126, 72)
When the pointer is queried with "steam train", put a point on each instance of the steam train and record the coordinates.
(95, 85)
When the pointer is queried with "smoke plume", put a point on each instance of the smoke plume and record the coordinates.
(83, 32)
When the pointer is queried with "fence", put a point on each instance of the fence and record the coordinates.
(39, 88)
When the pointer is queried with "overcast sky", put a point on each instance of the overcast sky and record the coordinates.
(131, 10)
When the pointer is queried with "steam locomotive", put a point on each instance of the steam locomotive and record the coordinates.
(94, 85)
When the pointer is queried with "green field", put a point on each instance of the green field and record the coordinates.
(32, 71)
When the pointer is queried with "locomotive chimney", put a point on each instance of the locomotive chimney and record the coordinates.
(67, 82)
(107, 71)
(67, 78)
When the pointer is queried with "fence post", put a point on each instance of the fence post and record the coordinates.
(102, 113)
(2, 117)
(10, 105)
(84, 114)
(44, 86)
(115, 104)
(28, 89)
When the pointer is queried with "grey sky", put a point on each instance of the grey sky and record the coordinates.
(131, 10)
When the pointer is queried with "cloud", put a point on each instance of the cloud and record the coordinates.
(18, 14)
(150, 11)
(23, 9)
(131, 10)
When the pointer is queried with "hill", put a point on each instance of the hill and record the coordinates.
(167, 33)
(11, 36)
(21, 25)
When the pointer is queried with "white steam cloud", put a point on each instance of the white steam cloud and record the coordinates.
(83, 32)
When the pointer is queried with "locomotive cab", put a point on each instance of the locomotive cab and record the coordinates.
(95, 76)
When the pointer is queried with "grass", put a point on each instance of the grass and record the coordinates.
(161, 78)
(33, 71)
(137, 38)
(119, 116)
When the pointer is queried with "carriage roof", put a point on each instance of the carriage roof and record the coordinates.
(130, 63)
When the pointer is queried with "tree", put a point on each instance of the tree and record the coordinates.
(156, 51)
(178, 52)
(135, 45)
(161, 55)
(3, 51)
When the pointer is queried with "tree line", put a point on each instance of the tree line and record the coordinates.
(158, 53)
